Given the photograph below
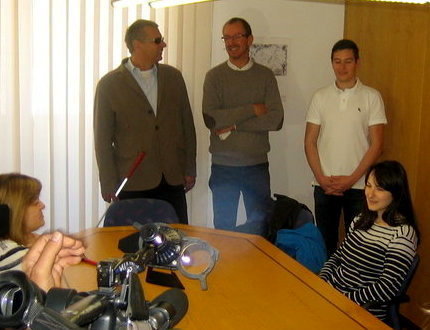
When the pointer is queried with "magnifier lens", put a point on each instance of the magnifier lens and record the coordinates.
(195, 260)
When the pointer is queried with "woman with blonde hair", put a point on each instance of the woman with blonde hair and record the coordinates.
(21, 216)
(21, 194)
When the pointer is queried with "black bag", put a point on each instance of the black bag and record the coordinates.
(284, 215)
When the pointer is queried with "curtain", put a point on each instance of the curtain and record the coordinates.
(52, 54)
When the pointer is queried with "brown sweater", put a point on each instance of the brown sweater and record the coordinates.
(228, 99)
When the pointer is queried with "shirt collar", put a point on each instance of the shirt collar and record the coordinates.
(244, 68)
(134, 69)
(348, 90)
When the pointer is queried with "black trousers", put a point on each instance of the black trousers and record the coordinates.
(175, 195)
(327, 213)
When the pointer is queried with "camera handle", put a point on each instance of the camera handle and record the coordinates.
(137, 307)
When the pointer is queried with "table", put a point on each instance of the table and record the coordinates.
(254, 285)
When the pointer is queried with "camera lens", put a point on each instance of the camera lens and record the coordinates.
(165, 240)
(150, 234)
(10, 300)
(17, 295)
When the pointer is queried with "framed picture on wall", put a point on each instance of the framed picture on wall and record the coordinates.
(272, 53)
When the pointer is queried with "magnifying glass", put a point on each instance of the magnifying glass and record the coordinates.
(193, 257)
(197, 259)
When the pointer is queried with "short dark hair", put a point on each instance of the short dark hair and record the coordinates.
(391, 176)
(136, 31)
(244, 23)
(345, 44)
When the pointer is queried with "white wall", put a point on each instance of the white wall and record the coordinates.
(311, 28)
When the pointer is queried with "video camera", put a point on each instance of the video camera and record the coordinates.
(119, 302)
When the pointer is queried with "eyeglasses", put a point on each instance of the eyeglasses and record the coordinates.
(235, 37)
(156, 41)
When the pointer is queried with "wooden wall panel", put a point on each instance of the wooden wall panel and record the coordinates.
(390, 37)
(420, 288)
(395, 56)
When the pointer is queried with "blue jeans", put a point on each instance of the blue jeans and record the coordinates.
(227, 182)
(328, 209)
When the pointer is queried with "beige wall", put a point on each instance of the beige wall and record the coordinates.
(394, 40)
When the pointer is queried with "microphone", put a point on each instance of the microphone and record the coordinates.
(4, 220)
(168, 309)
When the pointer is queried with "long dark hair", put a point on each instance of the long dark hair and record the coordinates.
(391, 176)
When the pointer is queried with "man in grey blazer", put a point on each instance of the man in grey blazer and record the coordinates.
(143, 106)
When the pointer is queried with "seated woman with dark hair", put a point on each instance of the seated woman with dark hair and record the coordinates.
(19, 195)
(372, 262)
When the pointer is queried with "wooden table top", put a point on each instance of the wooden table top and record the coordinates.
(254, 285)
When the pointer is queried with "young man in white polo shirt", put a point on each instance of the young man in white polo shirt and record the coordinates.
(344, 137)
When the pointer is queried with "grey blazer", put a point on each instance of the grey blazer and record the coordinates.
(125, 125)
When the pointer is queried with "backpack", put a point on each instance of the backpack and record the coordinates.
(284, 215)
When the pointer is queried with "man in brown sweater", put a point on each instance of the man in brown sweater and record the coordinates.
(143, 106)
(241, 104)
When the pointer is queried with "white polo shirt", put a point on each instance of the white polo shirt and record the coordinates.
(344, 117)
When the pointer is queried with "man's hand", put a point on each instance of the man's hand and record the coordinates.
(49, 255)
(225, 130)
(327, 184)
(342, 183)
(109, 198)
(190, 181)
(260, 109)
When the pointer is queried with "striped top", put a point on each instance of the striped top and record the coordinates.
(11, 255)
(372, 265)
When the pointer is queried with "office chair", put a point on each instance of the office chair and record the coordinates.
(305, 216)
(394, 318)
(303, 242)
(292, 229)
(282, 212)
(143, 210)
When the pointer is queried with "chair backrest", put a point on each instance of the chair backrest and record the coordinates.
(409, 276)
(393, 309)
(287, 213)
(304, 216)
(143, 210)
